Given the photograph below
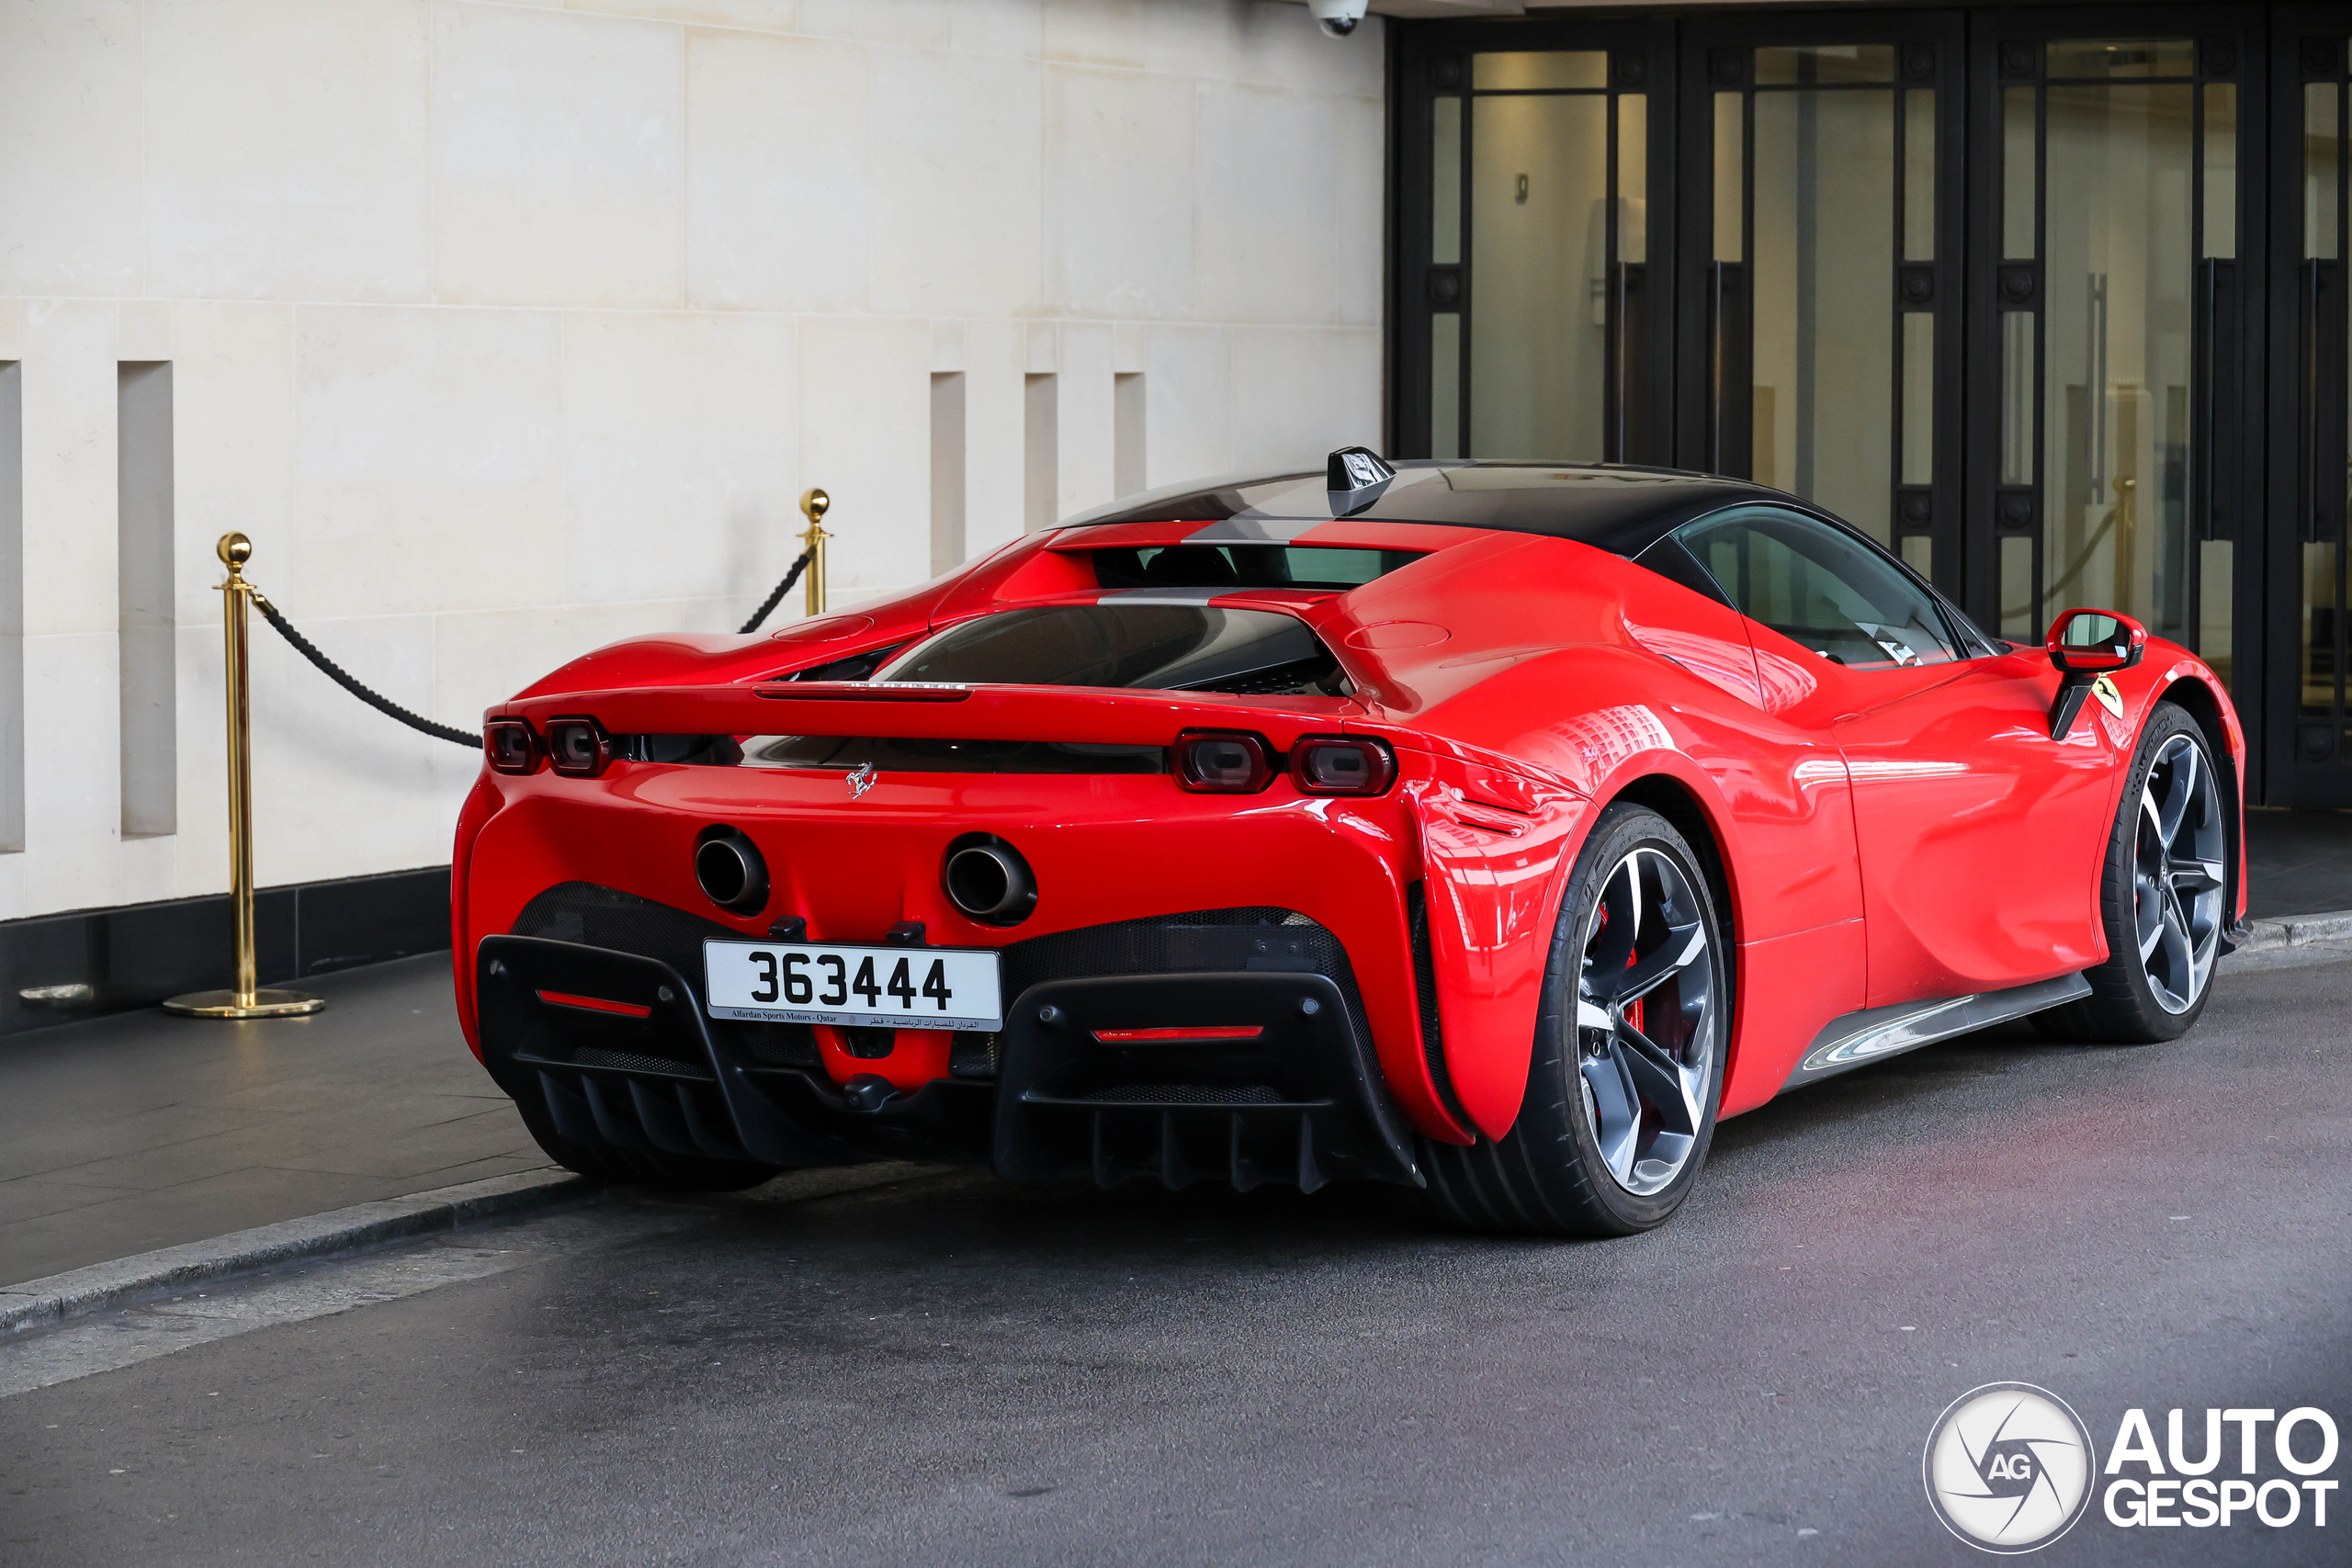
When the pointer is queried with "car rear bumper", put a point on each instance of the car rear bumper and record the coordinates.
(591, 1016)
(1111, 856)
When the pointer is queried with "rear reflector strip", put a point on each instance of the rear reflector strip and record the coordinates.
(1155, 1036)
(863, 692)
(596, 1004)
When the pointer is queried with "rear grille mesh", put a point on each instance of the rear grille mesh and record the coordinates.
(630, 1061)
(1188, 1094)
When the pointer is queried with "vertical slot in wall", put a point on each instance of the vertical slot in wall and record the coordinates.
(1040, 463)
(1128, 434)
(947, 547)
(12, 607)
(144, 584)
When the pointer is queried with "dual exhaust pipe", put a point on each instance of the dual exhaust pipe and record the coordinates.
(984, 877)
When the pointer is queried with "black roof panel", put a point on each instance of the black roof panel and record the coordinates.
(1616, 507)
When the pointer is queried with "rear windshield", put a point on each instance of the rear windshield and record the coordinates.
(1245, 566)
(1178, 648)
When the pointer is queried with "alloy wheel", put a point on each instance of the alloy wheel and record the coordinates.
(2177, 875)
(1647, 1021)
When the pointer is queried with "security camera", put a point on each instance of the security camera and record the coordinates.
(1338, 17)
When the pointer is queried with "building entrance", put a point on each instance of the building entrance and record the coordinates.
(2047, 300)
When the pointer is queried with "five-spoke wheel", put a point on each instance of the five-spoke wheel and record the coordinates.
(1645, 1033)
(2178, 879)
(2163, 895)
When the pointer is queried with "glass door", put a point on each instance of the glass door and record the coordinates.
(2051, 300)
(2310, 739)
(2106, 450)
(1821, 200)
(1528, 323)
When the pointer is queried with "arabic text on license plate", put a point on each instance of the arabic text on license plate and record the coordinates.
(895, 988)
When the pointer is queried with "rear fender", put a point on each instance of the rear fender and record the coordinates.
(1779, 819)
(1495, 849)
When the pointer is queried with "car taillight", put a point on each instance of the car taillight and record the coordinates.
(1341, 764)
(578, 747)
(512, 744)
(1220, 761)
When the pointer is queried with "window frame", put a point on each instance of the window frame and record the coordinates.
(1968, 643)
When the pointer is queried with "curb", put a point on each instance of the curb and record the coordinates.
(2295, 931)
(36, 1302)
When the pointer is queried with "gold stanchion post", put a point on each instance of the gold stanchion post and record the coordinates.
(246, 1000)
(816, 503)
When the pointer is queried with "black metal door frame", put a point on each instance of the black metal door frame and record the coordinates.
(1432, 60)
(2306, 455)
(1713, 368)
(2249, 451)
(2225, 481)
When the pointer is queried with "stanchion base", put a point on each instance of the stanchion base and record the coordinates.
(223, 1004)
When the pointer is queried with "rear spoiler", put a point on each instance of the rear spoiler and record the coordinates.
(1103, 716)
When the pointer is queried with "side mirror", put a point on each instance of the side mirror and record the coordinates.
(2096, 642)
(2085, 645)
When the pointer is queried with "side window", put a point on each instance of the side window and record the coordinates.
(1817, 586)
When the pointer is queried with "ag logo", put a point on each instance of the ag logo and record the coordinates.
(2009, 1467)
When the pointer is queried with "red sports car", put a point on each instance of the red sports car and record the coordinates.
(1488, 828)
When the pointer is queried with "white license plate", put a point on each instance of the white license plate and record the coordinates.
(897, 987)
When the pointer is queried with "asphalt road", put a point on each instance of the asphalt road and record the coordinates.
(946, 1371)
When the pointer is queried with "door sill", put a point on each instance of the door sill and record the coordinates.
(1873, 1034)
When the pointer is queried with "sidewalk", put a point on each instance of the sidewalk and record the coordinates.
(142, 1131)
(2298, 862)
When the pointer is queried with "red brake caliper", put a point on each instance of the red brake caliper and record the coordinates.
(1633, 1009)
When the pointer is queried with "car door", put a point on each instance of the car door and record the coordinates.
(1979, 837)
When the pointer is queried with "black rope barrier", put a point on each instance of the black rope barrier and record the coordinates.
(777, 597)
(336, 672)
(424, 725)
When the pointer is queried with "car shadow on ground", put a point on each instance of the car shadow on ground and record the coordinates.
(1935, 1092)
(1060, 1223)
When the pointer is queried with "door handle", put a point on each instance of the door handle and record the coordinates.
(2213, 380)
(1730, 350)
(1627, 297)
(2321, 507)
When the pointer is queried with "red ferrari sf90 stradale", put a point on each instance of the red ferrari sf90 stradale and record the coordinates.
(1490, 828)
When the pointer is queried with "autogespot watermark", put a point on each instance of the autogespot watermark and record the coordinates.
(2009, 1468)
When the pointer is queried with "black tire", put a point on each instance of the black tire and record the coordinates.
(681, 1173)
(1548, 1175)
(2123, 1008)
